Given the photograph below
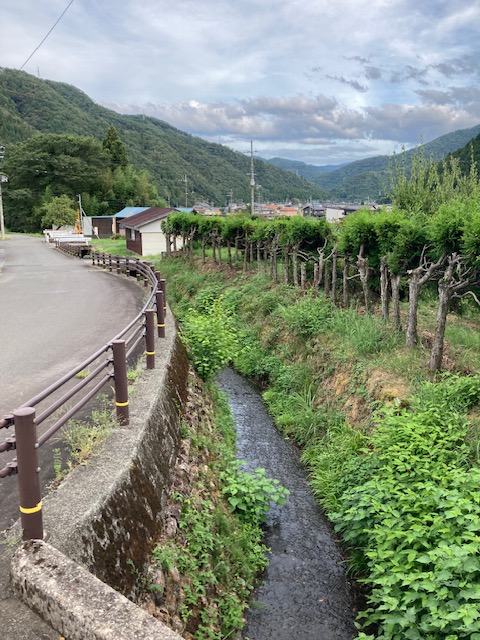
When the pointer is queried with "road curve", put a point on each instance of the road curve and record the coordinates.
(55, 311)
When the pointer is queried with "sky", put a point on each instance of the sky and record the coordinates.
(323, 82)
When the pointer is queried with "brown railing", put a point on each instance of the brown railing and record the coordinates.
(109, 363)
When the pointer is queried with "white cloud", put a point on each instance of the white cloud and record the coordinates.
(321, 78)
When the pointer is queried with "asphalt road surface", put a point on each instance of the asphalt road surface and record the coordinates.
(55, 311)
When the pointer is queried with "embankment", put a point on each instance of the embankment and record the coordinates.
(102, 521)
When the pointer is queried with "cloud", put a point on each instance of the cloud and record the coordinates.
(409, 73)
(351, 83)
(373, 73)
(351, 76)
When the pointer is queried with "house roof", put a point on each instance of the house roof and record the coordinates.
(127, 212)
(145, 216)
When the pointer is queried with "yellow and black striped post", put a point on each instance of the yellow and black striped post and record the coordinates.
(160, 314)
(121, 381)
(150, 337)
(163, 288)
(28, 474)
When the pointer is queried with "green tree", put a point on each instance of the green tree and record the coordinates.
(60, 211)
(114, 147)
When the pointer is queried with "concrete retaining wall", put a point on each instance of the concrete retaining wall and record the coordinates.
(107, 514)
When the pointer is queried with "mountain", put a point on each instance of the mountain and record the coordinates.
(465, 154)
(308, 171)
(29, 105)
(366, 179)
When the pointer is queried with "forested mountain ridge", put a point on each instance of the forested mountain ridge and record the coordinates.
(368, 178)
(308, 171)
(466, 153)
(29, 105)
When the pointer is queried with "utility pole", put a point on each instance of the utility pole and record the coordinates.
(185, 180)
(2, 179)
(252, 181)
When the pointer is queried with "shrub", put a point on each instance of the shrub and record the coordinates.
(211, 338)
(307, 317)
(416, 518)
(249, 493)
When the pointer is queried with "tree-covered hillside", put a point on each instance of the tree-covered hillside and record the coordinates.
(307, 171)
(466, 153)
(29, 105)
(366, 179)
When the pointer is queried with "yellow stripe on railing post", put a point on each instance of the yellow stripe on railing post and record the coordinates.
(160, 314)
(163, 288)
(121, 381)
(28, 474)
(150, 337)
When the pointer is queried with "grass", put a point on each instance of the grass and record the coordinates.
(84, 437)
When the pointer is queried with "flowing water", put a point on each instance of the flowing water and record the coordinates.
(304, 593)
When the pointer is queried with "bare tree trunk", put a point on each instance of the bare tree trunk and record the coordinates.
(334, 275)
(395, 286)
(168, 242)
(259, 255)
(303, 276)
(295, 266)
(326, 280)
(214, 243)
(315, 279)
(413, 294)
(384, 297)
(286, 266)
(251, 252)
(204, 249)
(245, 255)
(219, 244)
(346, 289)
(321, 263)
(362, 266)
(236, 251)
(174, 243)
(436, 354)
(418, 277)
(229, 253)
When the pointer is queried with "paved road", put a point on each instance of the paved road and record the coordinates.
(54, 312)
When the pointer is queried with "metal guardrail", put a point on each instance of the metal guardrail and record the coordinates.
(109, 364)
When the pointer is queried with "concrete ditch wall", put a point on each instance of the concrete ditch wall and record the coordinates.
(106, 515)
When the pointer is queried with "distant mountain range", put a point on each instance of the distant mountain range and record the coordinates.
(367, 179)
(29, 105)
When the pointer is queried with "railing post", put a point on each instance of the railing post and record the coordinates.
(160, 314)
(93, 257)
(121, 381)
(163, 287)
(110, 262)
(103, 260)
(28, 474)
(137, 272)
(117, 261)
(150, 338)
(127, 267)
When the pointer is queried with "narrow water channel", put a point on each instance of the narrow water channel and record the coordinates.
(304, 594)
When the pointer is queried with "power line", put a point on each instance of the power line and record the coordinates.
(35, 50)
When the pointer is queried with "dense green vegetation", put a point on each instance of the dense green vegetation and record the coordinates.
(369, 256)
(393, 454)
(392, 448)
(51, 166)
(29, 106)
